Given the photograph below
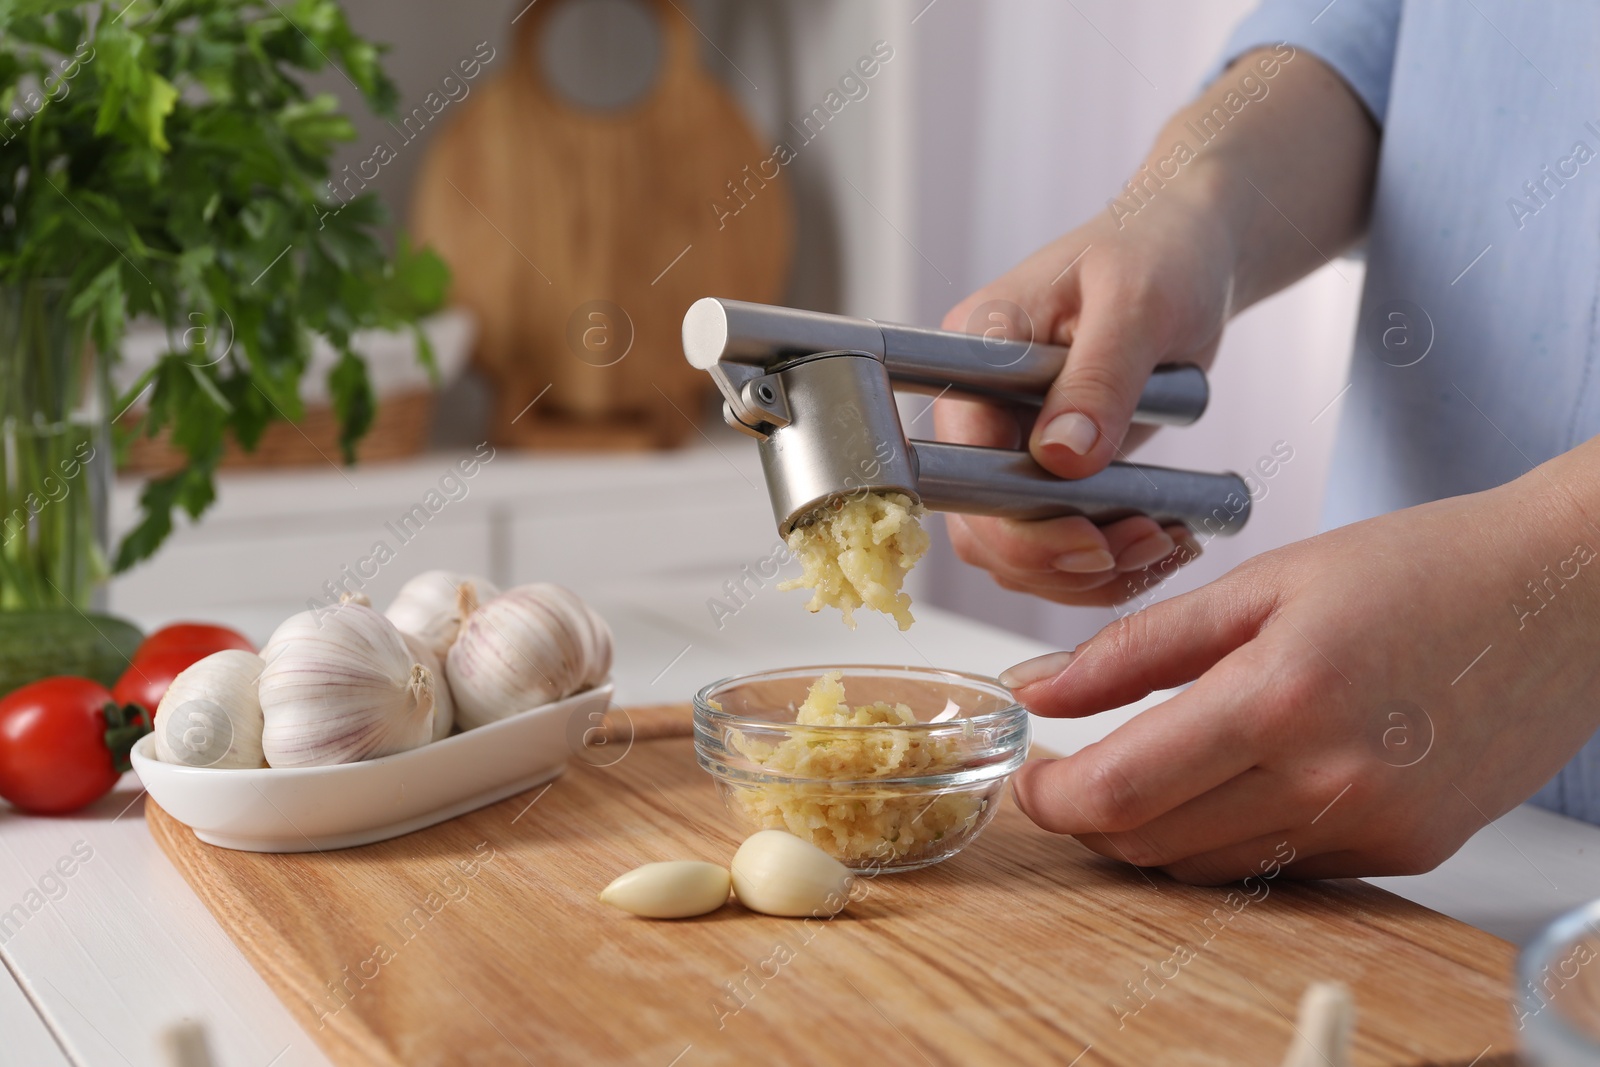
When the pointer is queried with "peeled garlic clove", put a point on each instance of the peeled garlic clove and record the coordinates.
(1322, 1037)
(777, 873)
(673, 890)
(528, 646)
(432, 605)
(210, 715)
(341, 686)
(444, 707)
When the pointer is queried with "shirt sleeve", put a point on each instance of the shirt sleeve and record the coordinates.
(1354, 37)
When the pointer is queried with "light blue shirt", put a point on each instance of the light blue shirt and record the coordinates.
(1476, 351)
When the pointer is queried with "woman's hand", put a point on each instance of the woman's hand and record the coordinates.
(1373, 696)
(1205, 228)
(1126, 299)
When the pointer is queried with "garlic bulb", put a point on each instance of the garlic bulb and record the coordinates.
(432, 605)
(444, 708)
(777, 873)
(340, 685)
(600, 658)
(677, 889)
(526, 647)
(210, 715)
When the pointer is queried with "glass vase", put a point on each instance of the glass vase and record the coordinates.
(55, 454)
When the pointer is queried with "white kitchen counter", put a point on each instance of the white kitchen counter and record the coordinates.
(94, 976)
(128, 948)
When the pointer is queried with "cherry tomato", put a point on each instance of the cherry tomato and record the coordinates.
(201, 637)
(146, 680)
(63, 744)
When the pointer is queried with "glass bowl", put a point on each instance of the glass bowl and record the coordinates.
(1558, 1009)
(878, 797)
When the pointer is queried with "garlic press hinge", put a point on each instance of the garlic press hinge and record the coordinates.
(754, 399)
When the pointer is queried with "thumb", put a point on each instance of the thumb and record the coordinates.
(955, 320)
(1087, 411)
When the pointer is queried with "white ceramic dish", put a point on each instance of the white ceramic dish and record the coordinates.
(313, 809)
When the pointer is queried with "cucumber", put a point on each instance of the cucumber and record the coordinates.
(40, 644)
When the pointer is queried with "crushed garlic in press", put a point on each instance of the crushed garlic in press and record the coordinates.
(858, 553)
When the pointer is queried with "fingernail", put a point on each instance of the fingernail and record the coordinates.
(1145, 551)
(1085, 561)
(1074, 430)
(1037, 669)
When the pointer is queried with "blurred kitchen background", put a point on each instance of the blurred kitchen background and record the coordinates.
(991, 128)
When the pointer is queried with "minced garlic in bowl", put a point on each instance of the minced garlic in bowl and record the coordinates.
(857, 554)
(872, 784)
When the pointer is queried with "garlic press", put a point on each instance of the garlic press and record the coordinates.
(816, 391)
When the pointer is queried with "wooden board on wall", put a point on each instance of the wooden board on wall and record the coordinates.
(579, 238)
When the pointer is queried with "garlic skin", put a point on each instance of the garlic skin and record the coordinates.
(432, 605)
(677, 889)
(776, 873)
(527, 647)
(601, 656)
(339, 686)
(211, 715)
(444, 707)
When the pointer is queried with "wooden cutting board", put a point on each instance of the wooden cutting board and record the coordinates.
(480, 941)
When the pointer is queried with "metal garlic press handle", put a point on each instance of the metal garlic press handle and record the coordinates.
(1022, 371)
(996, 481)
(761, 335)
